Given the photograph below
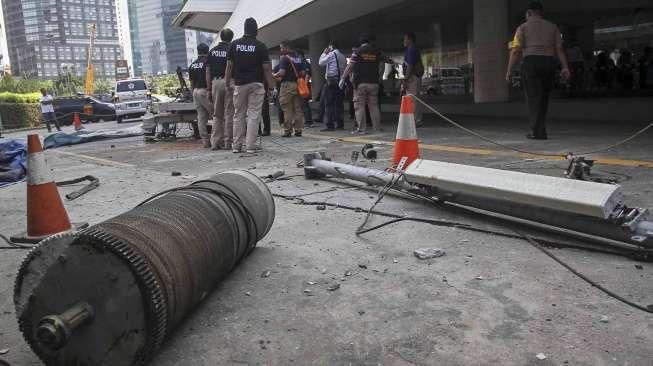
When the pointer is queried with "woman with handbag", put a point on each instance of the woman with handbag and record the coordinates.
(292, 91)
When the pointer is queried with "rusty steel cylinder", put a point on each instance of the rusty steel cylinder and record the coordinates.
(109, 295)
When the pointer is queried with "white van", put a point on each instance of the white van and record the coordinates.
(130, 98)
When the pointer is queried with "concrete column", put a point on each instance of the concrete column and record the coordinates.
(491, 37)
(317, 42)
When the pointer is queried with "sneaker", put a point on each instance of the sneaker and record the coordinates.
(235, 151)
(287, 134)
(216, 148)
(328, 129)
(363, 132)
(355, 131)
(298, 134)
(249, 151)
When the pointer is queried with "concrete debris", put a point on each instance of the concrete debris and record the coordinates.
(605, 319)
(428, 253)
(333, 287)
(266, 274)
(540, 356)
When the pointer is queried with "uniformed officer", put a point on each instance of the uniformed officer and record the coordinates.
(291, 66)
(222, 97)
(539, 42)
(364, 64)
(248, 64)
(197, 75)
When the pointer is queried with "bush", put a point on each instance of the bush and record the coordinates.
(20, 115)
(7, 97)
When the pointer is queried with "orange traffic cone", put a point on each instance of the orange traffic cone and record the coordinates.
(406, 144)
(77, 123)
(46, 214)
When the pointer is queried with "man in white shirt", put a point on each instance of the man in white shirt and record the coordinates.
(47, 110)
(335, 63)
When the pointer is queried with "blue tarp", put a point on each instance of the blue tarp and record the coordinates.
(64, 139)
(13, 161)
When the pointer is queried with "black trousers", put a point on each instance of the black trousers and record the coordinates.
(265, 113)
(538, 73)
(335, 107)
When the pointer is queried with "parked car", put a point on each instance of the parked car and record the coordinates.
(445, 81)
(130, 98)
(89, 109)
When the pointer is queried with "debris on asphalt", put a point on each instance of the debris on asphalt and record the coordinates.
(308, 292)
(248, 293)
(361, 312)
(311, 283)
(362, 266)
(348, 273)
(333, 287)
(321, 207)
(4, 351)
(395, 261)
(605, 319)
(639, 266)
(176, 174)
(480, 278)
(266, 274)
(428, 253)
(540, 356)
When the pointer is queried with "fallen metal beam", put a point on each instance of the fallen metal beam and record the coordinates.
(588, 208)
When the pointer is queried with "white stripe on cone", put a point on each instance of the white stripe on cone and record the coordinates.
(37, 169)
(406, 129)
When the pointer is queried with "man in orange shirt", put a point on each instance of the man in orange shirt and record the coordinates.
(539, 42)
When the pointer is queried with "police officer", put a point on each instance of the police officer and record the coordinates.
(248, 65)
(222, 97)
(197, 75)
(364, 64)
(539, 42)
(291, 66)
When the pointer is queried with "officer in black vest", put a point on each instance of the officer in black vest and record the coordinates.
(364, 64)
(222, 97)
(197, 76)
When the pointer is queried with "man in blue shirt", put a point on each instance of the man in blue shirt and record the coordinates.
(413, 72)
(291, 67)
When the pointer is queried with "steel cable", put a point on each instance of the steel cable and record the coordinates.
(508, 147)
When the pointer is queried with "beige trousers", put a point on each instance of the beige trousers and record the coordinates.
(291, 104)
(204, 112)
(223, 115)
(248, 103)
(367, 94)
(414, 87)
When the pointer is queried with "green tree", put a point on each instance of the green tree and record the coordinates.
(67, 83)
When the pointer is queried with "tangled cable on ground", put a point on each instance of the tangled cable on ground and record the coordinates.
(508, 147)
(535, 242)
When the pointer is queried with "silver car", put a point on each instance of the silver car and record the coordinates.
(130, 98)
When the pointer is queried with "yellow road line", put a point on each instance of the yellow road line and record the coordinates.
(93, 159)
(486, 152)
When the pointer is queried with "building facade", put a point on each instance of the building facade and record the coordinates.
(48, 37)
(470, 34)
(158, 47)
